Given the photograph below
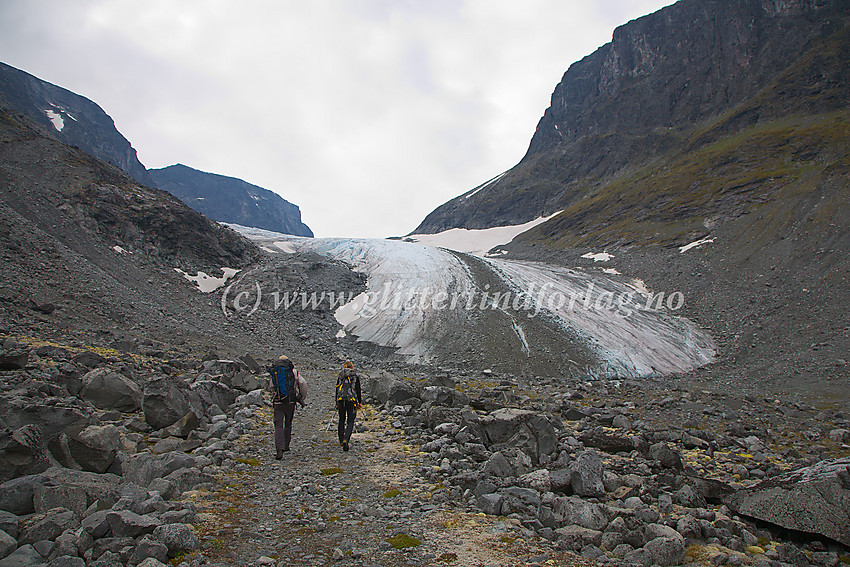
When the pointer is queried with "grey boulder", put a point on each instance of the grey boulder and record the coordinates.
(107, 389)
(813, 499)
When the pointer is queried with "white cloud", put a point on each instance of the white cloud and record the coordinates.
(367, 113)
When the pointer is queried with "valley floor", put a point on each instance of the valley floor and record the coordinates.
(322, 506)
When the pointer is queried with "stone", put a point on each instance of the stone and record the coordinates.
(22, 452)
(213, 393)
(14, 359)
(813, 499)
(525, 430)
(143, 468)
(152, 562)
(587, 475)
(539, 480)
(108, 390)
(577, 537)
(606, 440)
(667, 456)
(561, 480)
(146, 547)
(67, 561)
(178, 538)
(9, 523)
(184, 426)
(497, 466)
(49, 496)
(94, 447)
(96, 524)
(490, 503)
(8, 544)
(572, 510)
(24, 556)
(47, 526)
(165, 400)
(125, 523)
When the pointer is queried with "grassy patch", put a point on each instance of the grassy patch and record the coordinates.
(392, 493)
(403, 541)
(252, 462)
(331, 471)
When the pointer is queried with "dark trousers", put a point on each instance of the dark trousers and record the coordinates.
(347, 414)
(283, 414)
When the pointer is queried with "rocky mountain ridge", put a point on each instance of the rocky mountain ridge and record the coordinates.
(685, 76)
(231, 200)
(71, 119)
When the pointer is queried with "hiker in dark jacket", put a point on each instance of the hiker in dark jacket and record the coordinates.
(348, 399)
(284, 406)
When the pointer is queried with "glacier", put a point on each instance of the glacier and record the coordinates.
(418, 296)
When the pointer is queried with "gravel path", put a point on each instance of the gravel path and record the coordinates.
(322, 506)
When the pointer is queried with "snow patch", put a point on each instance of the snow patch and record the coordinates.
(286, 247)
(486, 184)
(120, 250)
(598, 257)
(207, 283)
(612, 271)
(694, 244)
(476, 241)
(56, 118)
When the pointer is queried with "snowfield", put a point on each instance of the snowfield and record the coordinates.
(416, 294)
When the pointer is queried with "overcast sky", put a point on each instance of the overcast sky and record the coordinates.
(367, 114)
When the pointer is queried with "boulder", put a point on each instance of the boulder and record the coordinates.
(606, 440)
(178, 538)
(14, 359)
(49, 496)
(16, 495)
(813, 499)
(184, 426)
(526, 430)
(143, 468)
(95, 447)
(587, 475)
(572, 510)
(539, 480)
(166, 399)
(21, 452)
(443, 396)
(213, 393)
(666, 551)
(384, 388)
(667, 456)
(47, 526)
(109, 390)
(24, 556)
(8, 544)
(577, 537)
(124, 523)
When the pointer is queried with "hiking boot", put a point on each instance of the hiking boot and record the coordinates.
(279, 455)
(345, 445)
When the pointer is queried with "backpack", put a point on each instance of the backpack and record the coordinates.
(345, 391)
(283, 378)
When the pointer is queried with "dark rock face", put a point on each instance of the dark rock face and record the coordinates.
(662, 74)
(71, 118)
(228, 199)
(814, 499)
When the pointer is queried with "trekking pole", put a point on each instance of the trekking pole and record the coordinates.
(330, 421)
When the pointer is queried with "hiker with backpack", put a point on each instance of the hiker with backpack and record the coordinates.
(288, 388)
(348, 399)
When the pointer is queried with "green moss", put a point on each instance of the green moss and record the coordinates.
(403, 541)
(331, 471)
(252, 462)
(392, 493)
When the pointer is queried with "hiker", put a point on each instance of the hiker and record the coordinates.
(288, 388)
(347, 401)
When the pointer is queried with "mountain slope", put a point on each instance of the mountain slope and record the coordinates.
(662, 81)
(70, 118)
(84, 247)
(232, 200)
